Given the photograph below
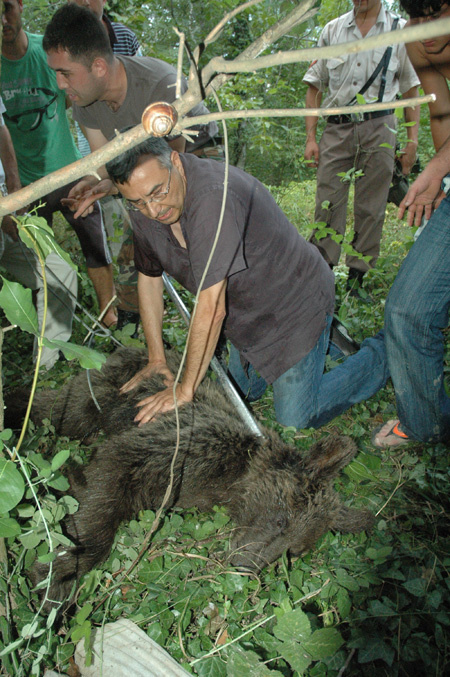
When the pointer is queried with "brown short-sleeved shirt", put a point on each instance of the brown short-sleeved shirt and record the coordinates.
(279, 288)
(148, 80)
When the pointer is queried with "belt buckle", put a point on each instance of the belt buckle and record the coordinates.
(357, 117)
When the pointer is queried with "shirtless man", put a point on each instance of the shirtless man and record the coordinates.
(418, 304)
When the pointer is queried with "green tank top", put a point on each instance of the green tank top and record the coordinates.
(36, 114)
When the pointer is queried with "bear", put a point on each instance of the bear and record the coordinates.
(278, 498)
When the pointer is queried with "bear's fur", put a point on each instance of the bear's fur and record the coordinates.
(278, 498)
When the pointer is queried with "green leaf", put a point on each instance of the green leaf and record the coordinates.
(295, 656)
(211, 667)
(9, 527)
(17, 303)
(346, 580)
(59, 482)
(83, 613)
(26, 510)
(89, 359)
(48, 557)
(12, 485)
(60, 458)
(416, 586)
(8, 649)
(35, 232)
(358, 471)
(379, 609)
(70, 504)
(51, 617)
(376, 649)
(360, 99)
(293, 625)
(385, 145)
(80, 631)
(247, 664)
(30, 629)
(267, 641)
(323, 642)
(379, 554)
(343, 603)
(31, 539)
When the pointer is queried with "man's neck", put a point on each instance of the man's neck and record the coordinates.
(116, 89)
(17, 49)
(366, 19)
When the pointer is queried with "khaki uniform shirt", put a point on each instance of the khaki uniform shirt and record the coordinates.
(342, 77)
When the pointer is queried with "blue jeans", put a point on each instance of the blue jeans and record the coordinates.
(304, 396)
(416, 313)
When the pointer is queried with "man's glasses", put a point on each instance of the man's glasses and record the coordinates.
(29, 120)
(157, 196)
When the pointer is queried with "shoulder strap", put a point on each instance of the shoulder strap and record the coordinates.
(382, 66)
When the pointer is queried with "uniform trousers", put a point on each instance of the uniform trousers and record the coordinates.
(342, 147)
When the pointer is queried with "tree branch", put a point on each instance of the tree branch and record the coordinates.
(306, 112)
(211, 79)
(410, 34)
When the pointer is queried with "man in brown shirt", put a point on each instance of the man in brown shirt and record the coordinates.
(270, 289)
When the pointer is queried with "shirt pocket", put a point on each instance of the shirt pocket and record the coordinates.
(336, 68)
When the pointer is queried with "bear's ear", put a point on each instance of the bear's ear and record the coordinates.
(328, 456)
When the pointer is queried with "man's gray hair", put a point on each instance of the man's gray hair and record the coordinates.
(121, 168)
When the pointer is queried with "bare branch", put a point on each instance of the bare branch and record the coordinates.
(216, 31)
(76, 170)
(179, 62)
(306, 112)
(299, 14)
(411, 34)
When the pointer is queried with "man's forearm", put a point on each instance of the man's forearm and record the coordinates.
(440, 164)
(151, 308)
(204, 334)
(313, 99)
(440, 131)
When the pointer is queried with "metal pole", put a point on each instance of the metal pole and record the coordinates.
(217, 368)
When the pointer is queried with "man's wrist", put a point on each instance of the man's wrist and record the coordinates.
(93, 179)
(187, 391)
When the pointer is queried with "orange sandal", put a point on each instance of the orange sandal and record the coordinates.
(389, 435)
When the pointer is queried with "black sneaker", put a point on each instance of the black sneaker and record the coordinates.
(342, 339)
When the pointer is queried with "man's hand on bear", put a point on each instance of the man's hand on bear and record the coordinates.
(148, 371)
(162, 402)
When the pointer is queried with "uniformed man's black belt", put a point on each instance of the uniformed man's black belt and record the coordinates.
(358, 117)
